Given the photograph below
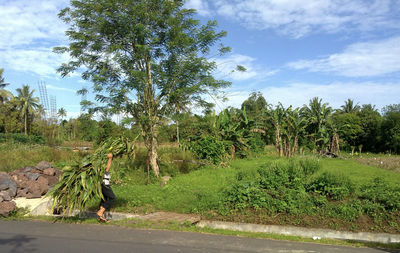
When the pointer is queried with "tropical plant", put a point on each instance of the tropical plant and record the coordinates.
(81, 182)
(350, 107)
(27, 104)
(319, 126)
(5, 95)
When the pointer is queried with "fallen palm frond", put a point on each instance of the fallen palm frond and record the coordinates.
(81, 182)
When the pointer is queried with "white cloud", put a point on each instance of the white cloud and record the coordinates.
(298, 94)
(25, 22)
(227, 68)
(200, 5)
(358, 60)
(52, 87)
(41, 61)
(298, 18)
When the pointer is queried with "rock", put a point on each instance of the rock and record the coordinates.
(49, 171)
(5, 195)
(43, 165)
(28, 169)
(20, 179)
(6, 207)
(7, 184)
(22, 192)
(52, 179)
(34, 190)
(12, 191)
(43, 184)
(32, 176)
(1, 199)
(5, 181)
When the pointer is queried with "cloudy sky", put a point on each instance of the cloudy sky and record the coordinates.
(293, 50)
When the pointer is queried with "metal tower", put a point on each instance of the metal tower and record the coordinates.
(44, 98)
(53, 107)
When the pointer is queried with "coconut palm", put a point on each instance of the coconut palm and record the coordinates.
(4, 94)
(350, 107)
(62, 113)
(27, 104)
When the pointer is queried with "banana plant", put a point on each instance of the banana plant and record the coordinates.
(81, 182)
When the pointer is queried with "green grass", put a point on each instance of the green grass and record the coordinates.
(193, 192)
(359, 173)
(15, 156)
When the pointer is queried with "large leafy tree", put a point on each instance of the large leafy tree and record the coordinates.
(142, 54)
(391, 128)
(27, 104)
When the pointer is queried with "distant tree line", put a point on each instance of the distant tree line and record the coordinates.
(234, 132)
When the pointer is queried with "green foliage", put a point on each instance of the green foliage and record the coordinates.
(277, 187)
(21, 138)
(81, 182)
(334, 186)
(209, 148)
(380, 192)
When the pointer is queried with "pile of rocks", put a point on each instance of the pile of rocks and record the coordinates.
(29, 182)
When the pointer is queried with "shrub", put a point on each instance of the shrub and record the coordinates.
(209, 148)
(379, 191)
(309, 165)
(256, 143)
(345, 211)
(336, 187)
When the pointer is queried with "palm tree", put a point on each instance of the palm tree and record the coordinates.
(318, 116)
(26, 103)
(4, 94)
(349, 107)
(62, 113)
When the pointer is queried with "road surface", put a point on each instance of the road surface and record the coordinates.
(38, 236)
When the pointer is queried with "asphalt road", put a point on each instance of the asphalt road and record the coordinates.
(29, 236)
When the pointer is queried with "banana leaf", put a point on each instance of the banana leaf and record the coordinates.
(81, 182)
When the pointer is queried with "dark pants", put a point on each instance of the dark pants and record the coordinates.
(108, 195)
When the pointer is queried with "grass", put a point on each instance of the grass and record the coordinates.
(15, 156)
(357, 172)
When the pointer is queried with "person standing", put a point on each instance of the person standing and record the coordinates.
(108, 195)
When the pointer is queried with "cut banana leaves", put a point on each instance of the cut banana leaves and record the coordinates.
(80, 183)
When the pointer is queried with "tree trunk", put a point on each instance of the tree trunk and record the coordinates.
(152, 153)
(26, 123)
(177, 131)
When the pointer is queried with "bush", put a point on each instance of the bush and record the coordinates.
(209, 148)
(256, 143)
(22, 138)
(336, 187)
(380, 192)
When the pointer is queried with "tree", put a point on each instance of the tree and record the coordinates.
(5, 95)
(391, 128)
(62, 113)
(256, 106)
(371, 121)
(318, 116)
(152, 50)
(350, 107)
(27, 104)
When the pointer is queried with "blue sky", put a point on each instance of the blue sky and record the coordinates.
(293, 50)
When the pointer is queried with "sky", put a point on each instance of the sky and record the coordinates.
(293, 50)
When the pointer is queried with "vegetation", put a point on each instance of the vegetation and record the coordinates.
(81, 182)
